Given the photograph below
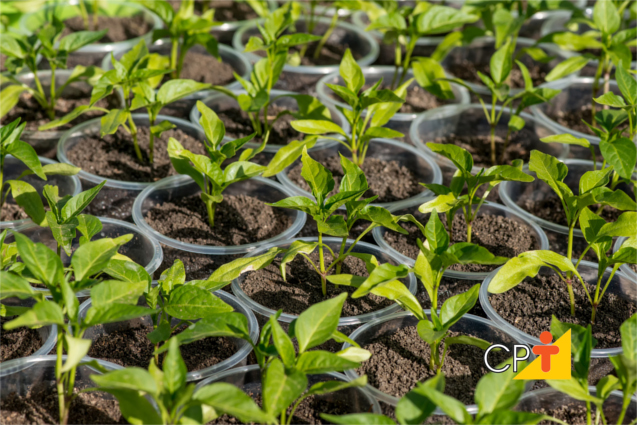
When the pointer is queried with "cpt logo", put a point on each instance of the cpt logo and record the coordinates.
(553, 362)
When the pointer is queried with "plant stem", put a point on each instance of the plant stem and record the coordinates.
(571, 296)
(410, 50)
(58, 377)
(51, 111)
(588, 413)
(598, 75)
(493, 125)
(328, 33)
(625, 404)
(397, 62)
(95, 14)
(84, 13)
(469, 224)
(133, 132)
(322, 265)
(340, 253)
(173, 57)
(2, 154)
(211, 206)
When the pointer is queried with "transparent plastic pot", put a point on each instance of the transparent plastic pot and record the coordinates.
(45, 142)
(142, 249)
(239, 358)
(625, 268)
(620, 285)
(400, 121)
(469, 324)
(221, 102)
(549, 399)
(226, 31)
(421, 165)
(488, 208)
(117, 196)
(514, 194)
(480, 51)
(175, 187)
(248, 379)
(470, 120)
(263, 312)
(48, 334)
(344, 34)
(93, 53)
(67, 185)
(572, 98)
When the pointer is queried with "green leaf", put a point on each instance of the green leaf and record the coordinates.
(567, 67)
(117, 292)
(359, 419)
(351, 72)
(333, 226)
(516, 123)
(76, 40)
(28, 198)
(452, 407)
(296, 248)
(280, 387)
(174, 368)
(353, 354)
(594, 179)
(315, 362)
(317, 127)
(77, 203)
(283, 343)
(625, 225)
(568, 139)
(135, 407)
(12, 285)
(25, 153)
(436, 235)
(506, 417)
(395, 290)
(88, 226)
(43, 313)
(114, 313)
(112, 121)
(41, 261)
(10, 96)
(233, 325)
(299, 203)
(628, 331)
(610, 99)
(228, 399)
(627, 85)
(317, 177)
(174, 90)
(287, 154)
(429, 74)
(498, 391)
(428, 333)
(211, 124)
(317, 324)
(130, 378)
(77, 348)
(414, 408)
(621, 154)
(501, 63)
(232, 270)
(241, 170)
(573, 389)
(457, 306)
(442, 19)
(127, 271)
(550, 170)
(606, 17)
(92, 257)
(329, 387)
(189, 303)
(606, 385)
(459, 156)
(382, 274)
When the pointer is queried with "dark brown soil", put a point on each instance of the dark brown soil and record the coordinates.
(530, 305)
(204, 68)
(11, 212)
(502, 236)
(298, 83)
(119, 29)
(40, 406)
(387, 54)
(197, 266)
(20, 342)
(113, 156)
(448, 288)
(303, 287)
(239, 220)
(3, 59)
(387, 179)
(401, 359)
(551, 209)
(131, 347)
(575, 413)
(232, 10)
(238, 125)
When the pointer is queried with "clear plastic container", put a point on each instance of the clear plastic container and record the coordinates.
(549, 399)
(469, 324)
(68, 185)
(488, 208)
(480, 51)
(239, 358)
(400, 121)
(620, 285)
(175, 187)
(45, 142)
(421, 165)
(625, 268)
(93, 53)
(248, 379)
(263, 312)
(514, 194)
(116, 197)
(220, 102)
(142, 249)
(48, 334)
(455, 119)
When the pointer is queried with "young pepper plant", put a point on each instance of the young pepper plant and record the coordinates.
(312, 21)
(113, 301)
(48, 42)
(451, 199)
(430, 266)
(370, 111)
(205, 170)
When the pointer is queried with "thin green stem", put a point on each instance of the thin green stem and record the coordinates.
(322, 265)
(58, 376)
(53, 97)
(84, 13)
(211, 207)
(410, 51)
(326, 36)
(2, 154)
(133, 131)
(625, 404)
(397, 63)
(173, 56)
(493, 124)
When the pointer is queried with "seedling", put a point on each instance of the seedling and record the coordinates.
(582, 342)
(185, 30)
(113, 300)
(206, 170)
(379, 107)
(23, 52)
(136, 74)
(312, 20)
(23, 193)
(84, 12)
(431, 264)
(451, 199)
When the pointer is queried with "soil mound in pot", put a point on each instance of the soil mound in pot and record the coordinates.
(119, 28)
(20, 342)
(238, 125)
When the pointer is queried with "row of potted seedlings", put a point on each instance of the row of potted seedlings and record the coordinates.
(210, 286)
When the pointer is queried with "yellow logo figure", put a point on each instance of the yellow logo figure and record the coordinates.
(554, 361)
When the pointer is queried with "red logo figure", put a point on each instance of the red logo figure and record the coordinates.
(546, 351)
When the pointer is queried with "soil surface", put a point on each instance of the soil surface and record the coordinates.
(573, 119)
(11, 212)
(502, 236)
(40, 406)
(119, 28)
(401, 359)
(20, 342)
(131, 347)
(113, 156)
(238, 124)
(230, 10)
(448, 288)
(530, 305)
(303, 286)
(239, 220)
(389, 180)
(575, 413)
(204, 68)
(197, 266)
(298, 83)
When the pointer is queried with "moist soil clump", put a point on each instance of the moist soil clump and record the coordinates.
(238, 125)
(131, 347)
(239, 220)
(502, 236)
(119, 28)
(20, 342)
(303, 286)
(389, 180)
(400, 359)
(113, 156)
(40, 406)
(530, 305)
